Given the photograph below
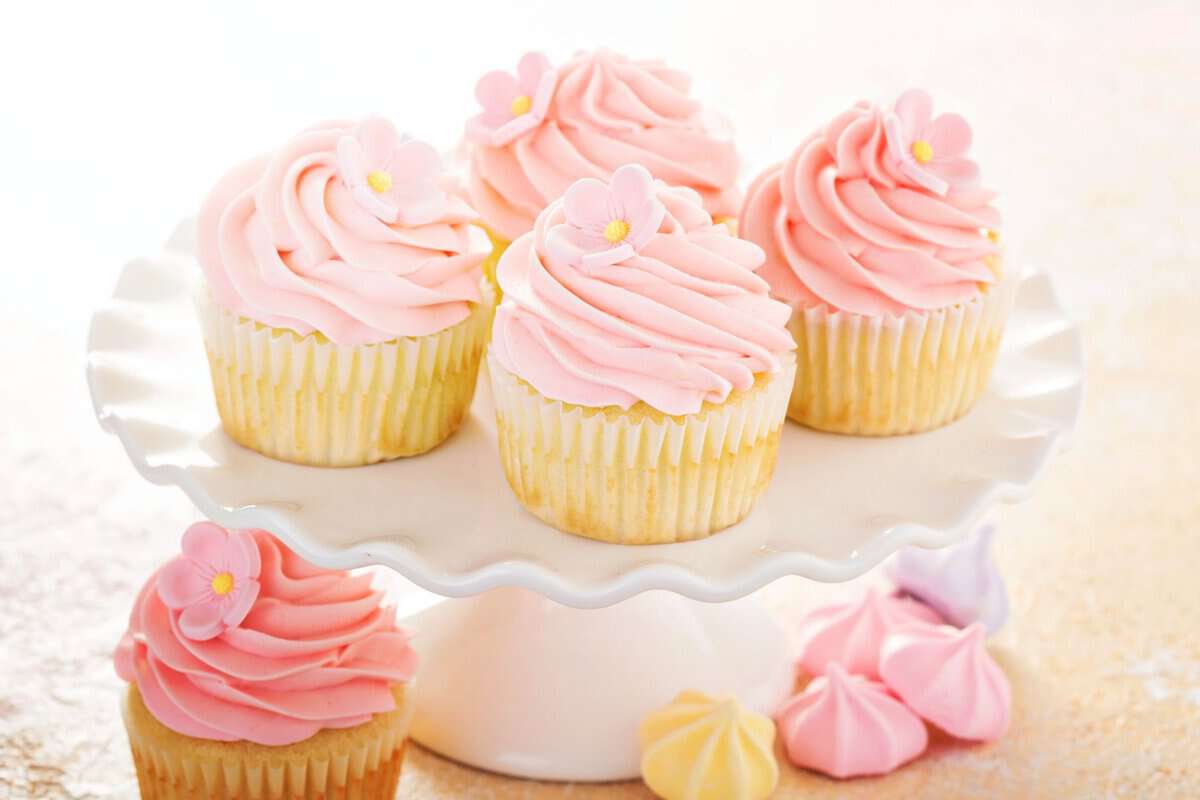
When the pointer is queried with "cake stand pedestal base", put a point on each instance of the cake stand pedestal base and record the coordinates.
(514, 683)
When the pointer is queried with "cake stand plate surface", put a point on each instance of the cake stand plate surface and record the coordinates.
(447, 520)
(561, 646)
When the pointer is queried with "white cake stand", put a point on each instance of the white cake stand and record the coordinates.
(520, 678)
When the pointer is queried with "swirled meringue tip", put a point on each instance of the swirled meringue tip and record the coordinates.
(708, 748)
(240, 639)
(850, 634)
(348, 229)
(962, 582)
(546, 126)
(880, 212)
(848, 726)
(948, 677)
(626, 292)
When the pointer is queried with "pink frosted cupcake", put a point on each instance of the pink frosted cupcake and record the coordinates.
(345, 314)
(640, 370)
(879, 235)
(253, 673)
(546, 127)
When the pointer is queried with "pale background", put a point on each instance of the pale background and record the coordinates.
(115, 118)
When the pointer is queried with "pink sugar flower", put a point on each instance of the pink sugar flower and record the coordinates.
(929, 151)
(607, 223)
(214, 583)
(396, 179)
(512, 106)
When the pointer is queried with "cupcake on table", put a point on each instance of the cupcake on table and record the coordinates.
(253, 673)
(345, 314)
(878, 233)
(548, 126)
(640, 370)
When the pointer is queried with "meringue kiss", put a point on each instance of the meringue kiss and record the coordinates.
(708, 748)
(851, 633)
(961, 583)
(948, 677)
(846, 725)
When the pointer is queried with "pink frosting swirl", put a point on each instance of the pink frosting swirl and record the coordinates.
(682, 320)
(844, 223)
(299, 240)
(607, 110)
(315, 651)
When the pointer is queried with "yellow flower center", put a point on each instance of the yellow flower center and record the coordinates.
(616, 230)
(222, 583)
(521, 105)
(993, 234)
(922, 151)
(380, 181)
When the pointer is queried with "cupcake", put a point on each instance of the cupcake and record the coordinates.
(345, 313)
(640, 370)
(879, 235)
(544, 128)
(255, 674)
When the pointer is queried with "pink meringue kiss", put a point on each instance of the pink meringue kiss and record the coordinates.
(847, 726)
(947, 676)
(851, 633)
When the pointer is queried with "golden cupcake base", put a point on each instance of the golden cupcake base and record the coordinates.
(729, 222)
(884, 376)
(307, 400)
(499, 245)
(639, 476)
(362, 762)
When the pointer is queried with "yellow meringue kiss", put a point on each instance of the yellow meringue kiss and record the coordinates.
(708, 748)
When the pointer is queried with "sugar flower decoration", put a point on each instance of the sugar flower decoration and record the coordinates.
(512, 106)
(395, 178)
(214, 583)
(607, 222)
(929, 151)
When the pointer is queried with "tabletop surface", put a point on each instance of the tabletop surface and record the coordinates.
(1088, 126)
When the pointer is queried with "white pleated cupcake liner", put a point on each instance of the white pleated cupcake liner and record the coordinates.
(888, 375)
(363, 762)
(308, 400)
(639, 477)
